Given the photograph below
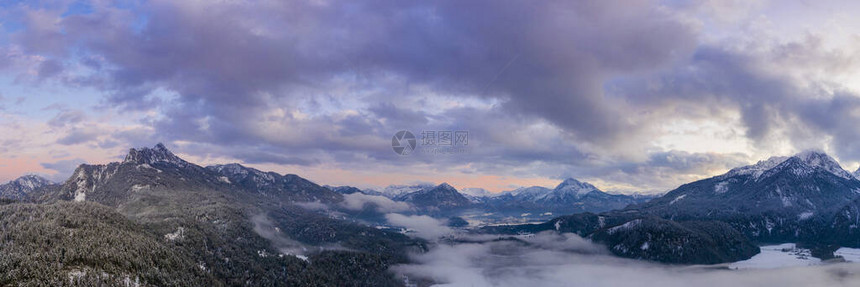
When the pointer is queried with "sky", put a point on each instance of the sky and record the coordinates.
(632, 96)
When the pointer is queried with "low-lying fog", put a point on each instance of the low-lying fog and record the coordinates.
(552, 259)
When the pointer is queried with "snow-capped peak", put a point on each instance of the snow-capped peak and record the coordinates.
(811, 158)
(398, 190)
(533, 190)
(575, 187)
(822, 160)
(569, 188)
(157, 154)
(757, 169)
(30, 182)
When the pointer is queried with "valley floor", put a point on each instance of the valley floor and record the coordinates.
(788, 255)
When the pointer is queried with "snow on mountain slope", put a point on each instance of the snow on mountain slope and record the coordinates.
(478, 192)
(529, 192)
(20, 188)
(572, 187)
(569, 188)
(393, 191)
(811, 158)
(437, 198)
(756, 169)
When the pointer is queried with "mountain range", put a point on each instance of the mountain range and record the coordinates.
(570, 196)
(230, 224)
(233, 224)
(806, 198)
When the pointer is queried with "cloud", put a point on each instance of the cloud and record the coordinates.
(359, 201)
(589, 89)
(63, 168)
(549, 259)
(559, 65)
(79, 136)
(312, 205)
(264, 227)
(424, 226)
(67, 117)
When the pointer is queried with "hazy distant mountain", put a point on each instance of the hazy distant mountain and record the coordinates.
(394, 191)
(478, 195)
(478, 192)
(23, 187)
(345, 189)
(570, 196)
(442, 197)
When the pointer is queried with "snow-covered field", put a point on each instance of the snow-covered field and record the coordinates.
(788, 255)
(850, 254)
(778, 256)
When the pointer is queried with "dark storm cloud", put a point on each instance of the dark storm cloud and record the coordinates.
(391, 112)
(548, 60)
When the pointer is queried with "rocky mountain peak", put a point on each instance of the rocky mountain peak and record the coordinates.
(807, 162)
(447, 187)
(819, 159)
(800, 161)
(157, 154)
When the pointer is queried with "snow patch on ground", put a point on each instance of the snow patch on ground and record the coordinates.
(178, 234)
(75, 274)
(677, 198)
(805, 215)
(80, 196)
(628, 225)
(721, 187)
